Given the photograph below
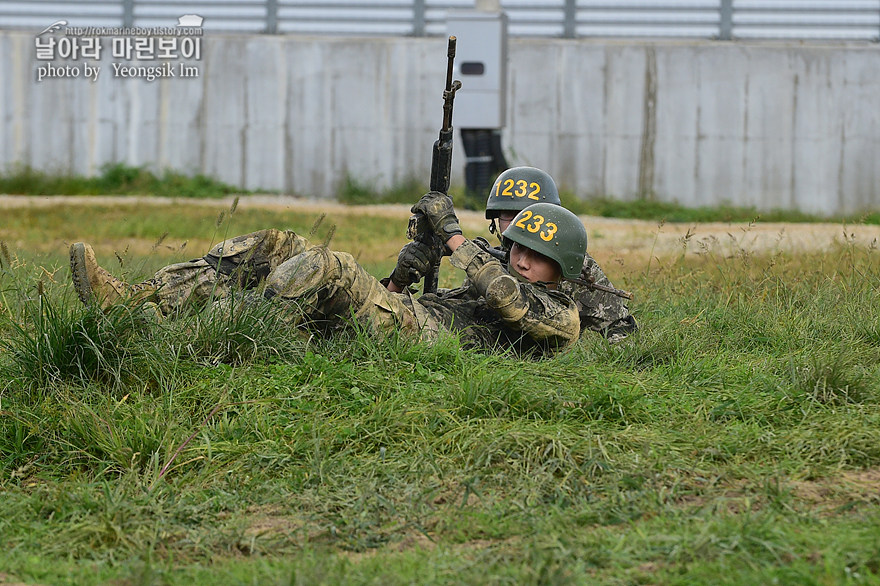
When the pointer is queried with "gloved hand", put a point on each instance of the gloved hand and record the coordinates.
(437, 207)
(413, 262)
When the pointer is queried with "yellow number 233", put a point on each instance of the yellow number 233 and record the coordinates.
(537, 222)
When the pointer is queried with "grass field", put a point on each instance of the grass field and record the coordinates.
(734, 440)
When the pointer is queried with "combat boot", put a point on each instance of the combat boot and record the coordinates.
(95, 284)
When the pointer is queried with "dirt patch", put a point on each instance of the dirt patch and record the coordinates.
(271, 522)
(833, 493)
(411, 539)
(609, 238)
(824, 496)
(9, 580)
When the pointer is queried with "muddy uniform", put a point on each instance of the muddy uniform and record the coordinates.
(600, 311)
(519, 187)
(242, 261)
(494, 310)
(327, 288)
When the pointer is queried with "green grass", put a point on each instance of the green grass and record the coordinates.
(734, 440)
(114, 179)
(647, 209)
(356, 192)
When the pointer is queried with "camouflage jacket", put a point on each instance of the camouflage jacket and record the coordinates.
(600, 311)
(494, 309)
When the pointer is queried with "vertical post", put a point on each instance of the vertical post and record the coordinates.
(726, 29)
(419, 18)
(128, 13)
(271, 17)
(569, 30)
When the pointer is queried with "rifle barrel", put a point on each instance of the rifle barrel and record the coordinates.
(604, 288)
(447, 95)
(450, 59)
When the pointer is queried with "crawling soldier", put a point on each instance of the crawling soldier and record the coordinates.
(515, 306)
(514, 190)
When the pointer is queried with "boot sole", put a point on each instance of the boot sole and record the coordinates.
(79, 274)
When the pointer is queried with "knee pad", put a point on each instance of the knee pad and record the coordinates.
(243, 258)
(303, 274)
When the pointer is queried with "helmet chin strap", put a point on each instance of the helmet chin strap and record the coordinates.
(496, 230)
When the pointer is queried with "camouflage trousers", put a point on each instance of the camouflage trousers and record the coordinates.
(243, 262)
(321, 286)
(328, 287)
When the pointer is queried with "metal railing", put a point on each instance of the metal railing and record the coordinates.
(710, 19)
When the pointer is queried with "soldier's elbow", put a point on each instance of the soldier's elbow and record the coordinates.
(503, 295)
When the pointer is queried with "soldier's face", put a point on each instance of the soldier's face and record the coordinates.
(504, 220)
(534, 266)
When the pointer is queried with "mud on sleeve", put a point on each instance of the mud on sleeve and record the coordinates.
(541, 314)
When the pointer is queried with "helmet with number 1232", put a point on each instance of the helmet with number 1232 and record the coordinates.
(519, 187)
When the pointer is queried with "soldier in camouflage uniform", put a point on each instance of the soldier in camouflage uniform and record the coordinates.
(514, 190)
(520, 309)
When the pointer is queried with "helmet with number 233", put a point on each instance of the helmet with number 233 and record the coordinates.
(553, 231)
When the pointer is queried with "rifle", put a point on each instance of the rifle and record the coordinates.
(589, 283)
(441, 167)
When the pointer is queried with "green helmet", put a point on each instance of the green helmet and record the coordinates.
(518, 188)
(553, 231)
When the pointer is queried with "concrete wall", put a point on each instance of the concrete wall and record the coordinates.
(784, 125)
